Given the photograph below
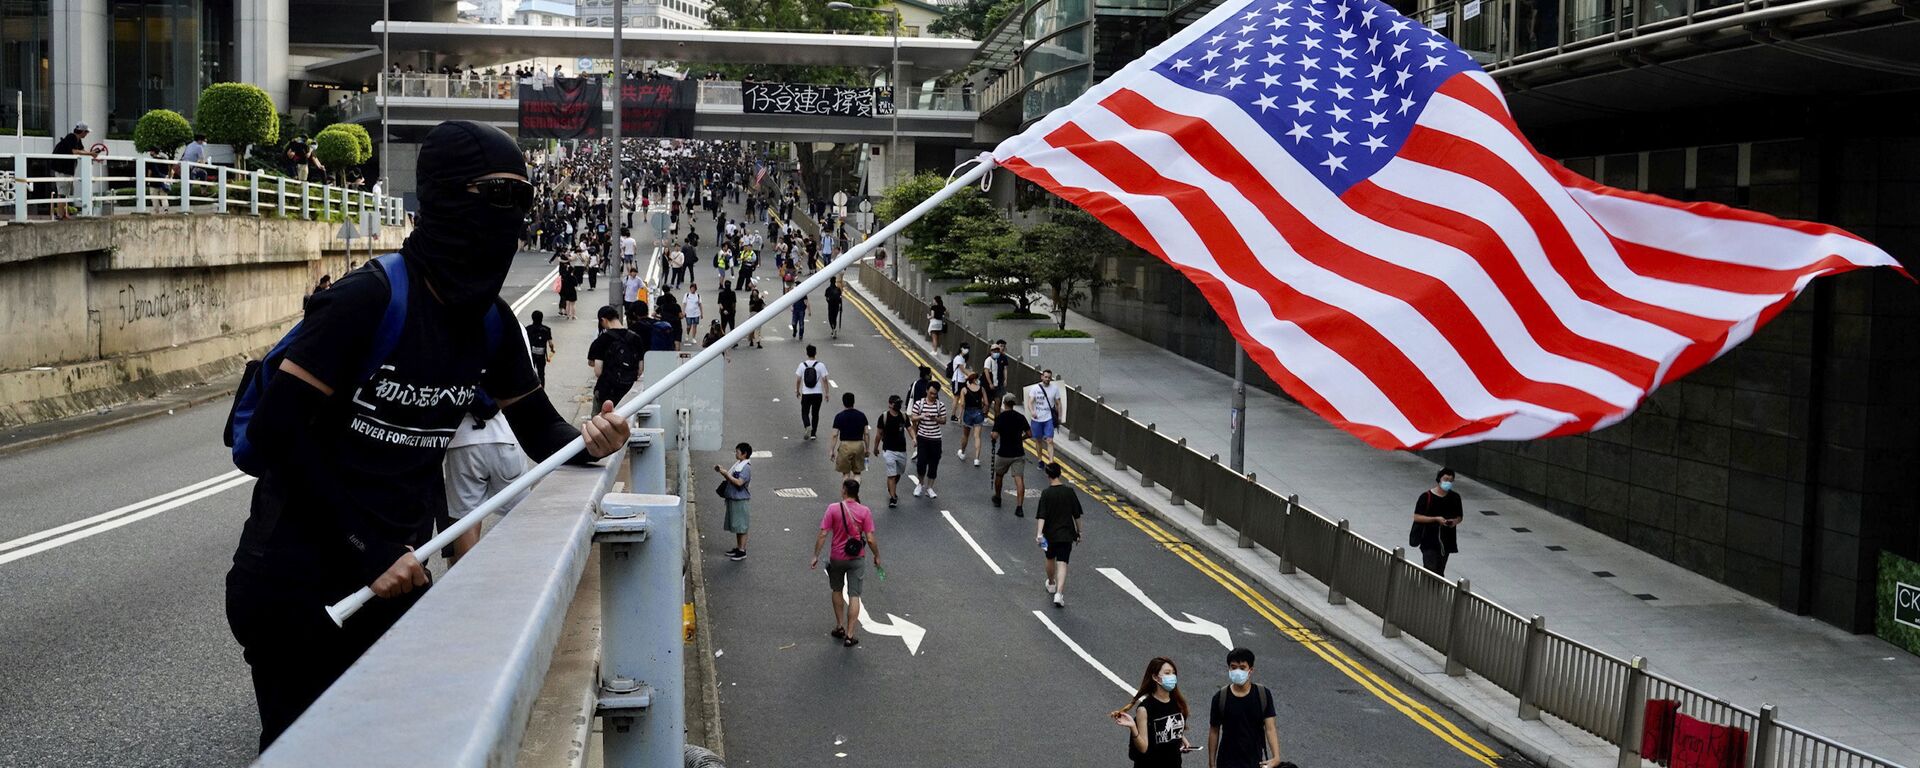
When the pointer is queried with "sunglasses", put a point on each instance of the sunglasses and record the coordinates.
(502, 192)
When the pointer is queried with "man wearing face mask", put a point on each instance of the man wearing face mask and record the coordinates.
(1241, 732)
(350, 476)
(1436, 521)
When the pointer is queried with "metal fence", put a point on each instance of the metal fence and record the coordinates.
(32, 185)
(712, 93)
(413, 699)
(1545, 671)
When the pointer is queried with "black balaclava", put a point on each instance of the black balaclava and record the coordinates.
(462, 245)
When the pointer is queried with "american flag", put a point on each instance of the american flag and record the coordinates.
(1347, 189)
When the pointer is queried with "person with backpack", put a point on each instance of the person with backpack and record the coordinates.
(799, 319)
(1241, 729)
(850, 524)
(1156, 718)
(346, 422)
(540, 345)
(890, 444)
(617, 356)
(810, 385)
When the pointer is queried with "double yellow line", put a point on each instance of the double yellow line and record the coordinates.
(1292, 628)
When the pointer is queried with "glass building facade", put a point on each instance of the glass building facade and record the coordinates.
(164, 52)
(26, 64)
(1058, 60)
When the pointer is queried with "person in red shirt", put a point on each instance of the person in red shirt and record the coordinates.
(850, 525)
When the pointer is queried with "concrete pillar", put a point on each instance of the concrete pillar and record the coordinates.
(79, 66)
(882, 170)
(260, 47)
(401, 180)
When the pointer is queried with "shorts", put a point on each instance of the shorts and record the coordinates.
(1042, 430)
(851, 457)
(896, 462)
(478, 471)
(973, 417)
(737, 517)
(1059, 551)
(1015, 464)
(847, 574)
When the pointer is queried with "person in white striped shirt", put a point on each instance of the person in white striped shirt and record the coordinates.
(929, 417)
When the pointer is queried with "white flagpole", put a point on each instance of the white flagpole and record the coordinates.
(341, 610)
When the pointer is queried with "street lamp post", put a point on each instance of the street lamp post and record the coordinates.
(386, 64)
(614, 267)
(893, 82)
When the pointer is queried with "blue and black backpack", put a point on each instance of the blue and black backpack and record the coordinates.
(392, 269)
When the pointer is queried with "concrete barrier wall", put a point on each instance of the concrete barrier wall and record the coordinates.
(103, 311)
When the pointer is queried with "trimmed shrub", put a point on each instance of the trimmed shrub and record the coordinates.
(240, 114)
(978, 301)
(161, 130)
(361, 139)
(337, 150)
(971, 288)
(1017, 315)
(1058, 333)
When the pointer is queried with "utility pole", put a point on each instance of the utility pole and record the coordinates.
(1237, 454)
(386, 66)
(615, 269)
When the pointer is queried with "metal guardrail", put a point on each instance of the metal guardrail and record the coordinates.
(114, 184)
(1545, 671)
(416, 699)
(712, 93)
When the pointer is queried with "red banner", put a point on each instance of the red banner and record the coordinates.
(1656, 736)
(1698, 744)
(563, 109)
(660, 108)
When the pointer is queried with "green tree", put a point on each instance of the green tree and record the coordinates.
(240, 114)
(361, 139)
(932, 238)
(336, 149)
(973, 19)
(794, 16)
(161, 130)
(988, 250)
(1065, 251)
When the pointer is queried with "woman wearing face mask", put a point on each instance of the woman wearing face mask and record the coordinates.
(1156, 716)
(1436, 520)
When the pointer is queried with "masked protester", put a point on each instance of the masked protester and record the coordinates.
(351, 477)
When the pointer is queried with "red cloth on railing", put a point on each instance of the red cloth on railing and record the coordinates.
(1699, 744)
(1656, 736)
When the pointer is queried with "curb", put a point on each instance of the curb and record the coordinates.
(1502, 727)
(708, 673)
(150, 410)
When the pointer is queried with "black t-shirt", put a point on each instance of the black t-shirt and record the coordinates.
(917, 391)
(1010, 434)
(619, 351)
(366, 482)
(1165, 727)
(1242, 721)
(893, 432)
(1059, 506)
(1435, 534)
(538, 336)
(833, 295)
(851, 424)
(66, 146)
(729, 302)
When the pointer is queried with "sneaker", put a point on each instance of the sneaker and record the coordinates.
(916, 491)
(738, 554)
(1059, 599)
(996, 500)
(959, 454)
(976, 462)
(730, 552)
(931, 494)
(893, 501)
(1049, 586)
(1019, 511)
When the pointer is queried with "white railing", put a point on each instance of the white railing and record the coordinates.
(724, 93)
(113, 184)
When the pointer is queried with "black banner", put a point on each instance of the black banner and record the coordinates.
(568, 108)
(660, 109)
(807, 99)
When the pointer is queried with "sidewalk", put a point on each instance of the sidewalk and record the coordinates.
(1854, 689)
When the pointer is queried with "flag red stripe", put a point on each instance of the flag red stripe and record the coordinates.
(1431, 297)
(1442, 150)
(1122, 220)
(1362, 345)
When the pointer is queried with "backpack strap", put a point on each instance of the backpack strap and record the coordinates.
(393, 267)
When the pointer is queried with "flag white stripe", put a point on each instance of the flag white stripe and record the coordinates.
(1731, 241)
(1426, 346)
(1449, 115)
(1348, 391)
(1443, 188)
(1451, 266)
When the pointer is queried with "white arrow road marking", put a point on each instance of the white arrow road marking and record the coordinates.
(907, 631)
(127, 515)
(1082, 652)
(1194, 625)
(971, 543)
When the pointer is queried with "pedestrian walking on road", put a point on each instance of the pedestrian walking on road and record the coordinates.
(1046, 407)
(917, 391)
(736, 488)
(848, 448)
(1436, 523)
(994, 371)
(937, 321)
(617, 356)
(929, 416)
(755, 303)
(1057, 526)
(1241, 729)
(890, 444)
(540, 345)
(691, 306)
(1010, 433)
(971, 399)
(850, 526)
(833, 294)
(342, 501)
(1156, 718)
(729, 303)
(798, 325)
(810, 384)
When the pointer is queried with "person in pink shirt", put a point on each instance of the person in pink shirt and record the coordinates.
(850, 525)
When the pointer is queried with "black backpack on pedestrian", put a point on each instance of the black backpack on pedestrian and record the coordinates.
(624, 362)
(810, 376)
